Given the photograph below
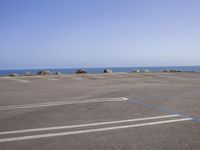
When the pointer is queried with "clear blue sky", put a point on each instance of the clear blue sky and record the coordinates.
(98, 33)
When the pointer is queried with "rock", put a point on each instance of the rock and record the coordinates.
(80, 71)
(172, 70)
(167, 70)
(137, 71)
(13, 75)
(146, 71)
(58, 73)
(107, 71)
(178, 71)
(44, 72)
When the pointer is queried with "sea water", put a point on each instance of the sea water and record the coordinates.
(100, 70)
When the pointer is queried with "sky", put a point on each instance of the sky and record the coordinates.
(99, 33)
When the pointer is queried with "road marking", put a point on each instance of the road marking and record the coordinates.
(74, 77)
(51, 79)
(62, 103)
(124, 98)
(87, 125)
(89, 130)
(78, 78)
(16, 79)
(176, 77)
(161, 109)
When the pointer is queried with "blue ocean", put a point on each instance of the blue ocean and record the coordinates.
(100, 70)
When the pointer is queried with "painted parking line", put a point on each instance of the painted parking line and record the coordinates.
(177, 77)
(90, 130)
(73, 77)
(76, 78)
(161, 109)
(51, 79)
(16, 79)
(87, 125)
(119, 99)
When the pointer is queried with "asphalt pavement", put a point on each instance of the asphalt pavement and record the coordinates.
(120, 111)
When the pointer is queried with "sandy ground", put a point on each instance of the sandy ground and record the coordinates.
(119, 111)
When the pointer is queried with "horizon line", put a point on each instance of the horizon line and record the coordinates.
(100, 67)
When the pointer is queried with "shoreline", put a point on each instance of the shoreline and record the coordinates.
(99, 74)
(23, 72)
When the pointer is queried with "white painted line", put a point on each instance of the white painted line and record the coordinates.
(78, 78)
(89, 130)
(176, 77)
(61, 103)
(46, 77)
(52, 79)
(86, 125)
(125, 98)
(16, 79)
(74, 78)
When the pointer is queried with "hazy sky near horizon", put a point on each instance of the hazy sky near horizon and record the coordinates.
(99, 33)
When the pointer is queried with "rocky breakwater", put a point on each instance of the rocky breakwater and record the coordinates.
(107, 71)
(81, 71)
(44, 72)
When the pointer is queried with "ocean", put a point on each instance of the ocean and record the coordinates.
(100, 70)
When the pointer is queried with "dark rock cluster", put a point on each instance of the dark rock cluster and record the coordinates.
(167, 70)
(80, 71)
(44, 72)
(107, 71)
(13, 75)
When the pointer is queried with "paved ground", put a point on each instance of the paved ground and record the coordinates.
(151, 111)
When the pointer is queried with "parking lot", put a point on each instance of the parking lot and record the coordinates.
(146, 111)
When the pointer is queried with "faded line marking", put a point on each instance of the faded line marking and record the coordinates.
(78, 78)
(52, 79)
(15, 79)
(161, 109)
(87, 125)
(89, 130)
(177, 77)
(74, 77)
(62, 103)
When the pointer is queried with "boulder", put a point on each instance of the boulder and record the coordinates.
(58, 73)
(44, 72)
(137, 71)
(80, 71)
(167, 70)
(172, 70)
(146, 71)
(107, 71)
(13, 75)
